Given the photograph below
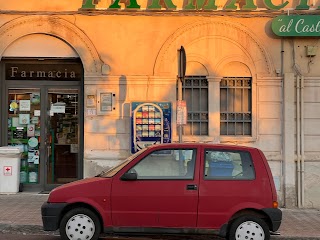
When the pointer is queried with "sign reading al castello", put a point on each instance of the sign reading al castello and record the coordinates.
(164, 5)
(296, 26)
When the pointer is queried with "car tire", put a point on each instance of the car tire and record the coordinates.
(249, 228)
(80, 223)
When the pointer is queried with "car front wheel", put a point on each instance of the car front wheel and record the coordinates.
(80, 224)
(249, 228)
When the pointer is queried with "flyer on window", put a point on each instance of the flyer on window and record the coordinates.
(24, 105)
(24, 118)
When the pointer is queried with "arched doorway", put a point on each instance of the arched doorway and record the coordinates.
(43, 64)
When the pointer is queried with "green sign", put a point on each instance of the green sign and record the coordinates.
(296, 26)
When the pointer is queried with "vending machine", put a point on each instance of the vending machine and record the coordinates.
(150, 124)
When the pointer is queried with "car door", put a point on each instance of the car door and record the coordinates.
(164, 194)
(228, 183)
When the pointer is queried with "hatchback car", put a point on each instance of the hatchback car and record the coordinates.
(171, 188)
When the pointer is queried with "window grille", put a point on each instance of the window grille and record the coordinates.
(235, 106)
(195, 93)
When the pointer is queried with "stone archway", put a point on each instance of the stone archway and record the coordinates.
(214, 32)
(57, 27)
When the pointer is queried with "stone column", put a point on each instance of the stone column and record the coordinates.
(214, 107)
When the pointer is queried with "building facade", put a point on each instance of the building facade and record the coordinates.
(86, 84)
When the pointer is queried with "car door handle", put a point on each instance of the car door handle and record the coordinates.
(192, 187)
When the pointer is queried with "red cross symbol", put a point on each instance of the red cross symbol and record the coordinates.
(7, 170)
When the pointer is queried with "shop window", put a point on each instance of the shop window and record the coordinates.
(195, 93)
(236, 106)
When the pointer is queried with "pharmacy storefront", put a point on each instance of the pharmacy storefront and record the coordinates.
(85, 84)
(42, 107)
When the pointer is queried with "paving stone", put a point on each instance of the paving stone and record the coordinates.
(21, 213)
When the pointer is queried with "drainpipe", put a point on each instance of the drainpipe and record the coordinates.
(298, 141)
(283, 164)
(302, 140)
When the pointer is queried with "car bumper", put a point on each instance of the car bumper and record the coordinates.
(51, 215)
(275, 216)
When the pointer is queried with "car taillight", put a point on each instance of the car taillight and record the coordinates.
(275, 204)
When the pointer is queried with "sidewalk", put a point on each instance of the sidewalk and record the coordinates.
(21, 213)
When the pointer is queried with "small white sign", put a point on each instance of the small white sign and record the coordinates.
(36, 113)
(91, 112)
(181, 112)
(58, 109)
(105, 101)
(74, 148)
(30, 130)
(91, 101)
(7, 170)
(24, 105)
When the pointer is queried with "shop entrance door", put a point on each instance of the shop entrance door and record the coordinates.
(62, 136)
(44, 123)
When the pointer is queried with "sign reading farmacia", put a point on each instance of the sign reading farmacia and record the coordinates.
(198, 5)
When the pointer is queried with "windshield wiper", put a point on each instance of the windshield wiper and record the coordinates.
(100, 174)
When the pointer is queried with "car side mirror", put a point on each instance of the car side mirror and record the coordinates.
(129, 176)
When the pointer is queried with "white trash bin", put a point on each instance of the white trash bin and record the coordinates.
(10, 169)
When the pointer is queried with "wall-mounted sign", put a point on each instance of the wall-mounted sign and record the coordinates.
(37, 71)
(105, 102)
(181, 112)
(91, 101)
(296, 26)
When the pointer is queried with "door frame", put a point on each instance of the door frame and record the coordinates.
(43, 86)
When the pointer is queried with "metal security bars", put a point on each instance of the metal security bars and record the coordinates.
(195, 93)
(235, 106)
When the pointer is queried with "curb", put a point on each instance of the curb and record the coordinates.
(24, 229)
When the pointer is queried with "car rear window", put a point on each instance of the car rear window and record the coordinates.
(228, 165)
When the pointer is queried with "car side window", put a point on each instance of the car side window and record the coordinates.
(166, 164)
(228, 165)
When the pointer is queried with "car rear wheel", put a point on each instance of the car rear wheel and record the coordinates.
(249, 228)
(80, 224)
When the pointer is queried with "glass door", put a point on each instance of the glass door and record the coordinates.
(62, 136)
(24, 130)
(44, 124)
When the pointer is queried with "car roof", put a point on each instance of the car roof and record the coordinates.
(205, 145)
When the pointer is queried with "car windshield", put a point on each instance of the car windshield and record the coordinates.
(112, 171)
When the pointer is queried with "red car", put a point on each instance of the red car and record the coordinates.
(171, 188)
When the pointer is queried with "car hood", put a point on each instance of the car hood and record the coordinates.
(96, 187)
